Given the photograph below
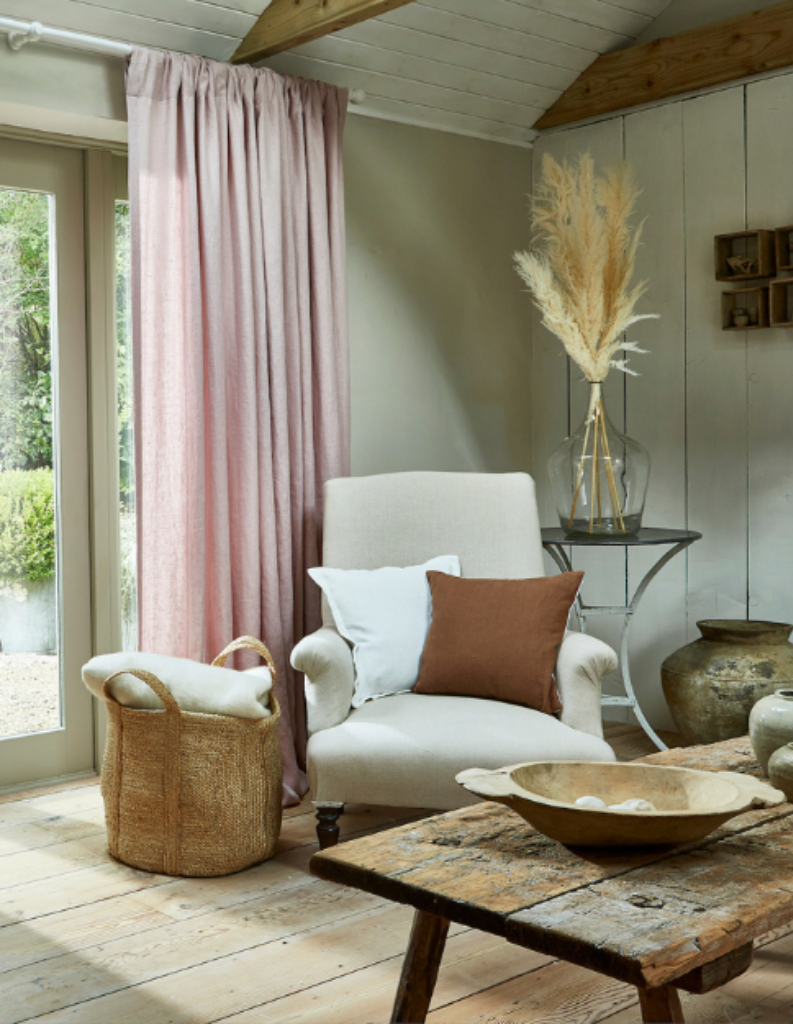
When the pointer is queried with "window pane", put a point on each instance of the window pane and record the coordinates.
(129, 594)
(29, 677)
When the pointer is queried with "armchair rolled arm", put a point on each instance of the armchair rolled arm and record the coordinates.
(580, 666)
(326, 660)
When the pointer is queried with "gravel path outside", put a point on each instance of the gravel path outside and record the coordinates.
(29, 693)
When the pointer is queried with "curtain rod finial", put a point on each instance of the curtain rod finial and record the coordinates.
(357, 96)
(34, 32)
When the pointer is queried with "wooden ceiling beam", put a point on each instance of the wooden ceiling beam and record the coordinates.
(696, 59)
(288, 23)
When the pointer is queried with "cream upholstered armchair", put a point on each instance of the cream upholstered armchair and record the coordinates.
(405, 749)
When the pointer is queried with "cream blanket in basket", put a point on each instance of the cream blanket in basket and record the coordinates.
(196, 687)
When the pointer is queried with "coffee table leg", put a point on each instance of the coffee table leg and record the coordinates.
(661, 1005)
(420, 969)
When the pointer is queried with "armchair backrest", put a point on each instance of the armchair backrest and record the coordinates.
(489, 520)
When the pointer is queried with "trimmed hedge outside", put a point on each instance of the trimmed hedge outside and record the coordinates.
(27, 525)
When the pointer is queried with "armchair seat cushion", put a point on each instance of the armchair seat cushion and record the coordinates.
(416, 743)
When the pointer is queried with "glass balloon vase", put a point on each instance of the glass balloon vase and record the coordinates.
(599, 476)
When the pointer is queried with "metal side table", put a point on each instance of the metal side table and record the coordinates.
(555, 540)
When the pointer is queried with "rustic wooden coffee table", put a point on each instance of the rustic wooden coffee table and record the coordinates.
(661, 920)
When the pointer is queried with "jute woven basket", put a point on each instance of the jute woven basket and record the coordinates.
(191, 794)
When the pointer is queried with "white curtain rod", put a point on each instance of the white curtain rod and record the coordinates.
(22, 32)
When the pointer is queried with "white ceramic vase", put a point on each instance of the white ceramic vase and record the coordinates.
(771, 725)
(780, 770)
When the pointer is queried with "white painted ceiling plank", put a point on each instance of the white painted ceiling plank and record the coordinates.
(650, 7)
(189, 13)
(81, 17)
(520, 18)
(594, 13)
(443, 121)
(405, 90)
(496, 38)
(485, 68)
(253, 7)
(377, 32)
(361, 56)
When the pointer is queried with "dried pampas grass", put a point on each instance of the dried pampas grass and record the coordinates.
(580, 271)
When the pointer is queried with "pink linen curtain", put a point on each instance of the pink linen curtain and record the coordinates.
(240, 356)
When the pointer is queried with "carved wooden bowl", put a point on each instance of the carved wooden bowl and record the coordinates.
(688, 804)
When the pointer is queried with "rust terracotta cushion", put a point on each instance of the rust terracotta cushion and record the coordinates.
(497, 638)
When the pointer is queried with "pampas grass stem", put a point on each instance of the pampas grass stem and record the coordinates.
(579, 275)
(596, 448)
(580, 269)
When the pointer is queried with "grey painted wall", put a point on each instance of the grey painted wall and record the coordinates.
(439, 322)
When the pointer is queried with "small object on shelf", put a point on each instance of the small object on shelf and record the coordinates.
(744, 255)
(781, 302)
(784, 248)
(744, 309)
(742, 265)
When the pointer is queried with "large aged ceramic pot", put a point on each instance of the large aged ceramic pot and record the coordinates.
(712, 684)
(771, 724)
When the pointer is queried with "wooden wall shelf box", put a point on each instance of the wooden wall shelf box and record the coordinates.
(784, 252)
(745, 298)
(781, 302)
(755, 245)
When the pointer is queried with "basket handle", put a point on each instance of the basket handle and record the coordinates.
(249, 643)
(172, 748)
(151, 680)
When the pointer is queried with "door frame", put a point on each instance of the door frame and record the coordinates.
(105, 182)
(67, 751)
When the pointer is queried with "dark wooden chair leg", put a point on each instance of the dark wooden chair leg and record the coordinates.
(661, 1005)
(328, 824)
(420, 969)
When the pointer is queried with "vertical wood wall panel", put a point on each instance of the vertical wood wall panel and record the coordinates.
(716, 364)
(655, 402)
(713, 408)
(769, 162)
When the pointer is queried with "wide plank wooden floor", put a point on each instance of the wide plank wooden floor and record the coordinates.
(86, 940)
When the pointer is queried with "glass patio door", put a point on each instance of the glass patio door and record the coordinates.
(46, 715)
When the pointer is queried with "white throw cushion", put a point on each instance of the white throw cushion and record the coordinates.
(205, 689)
(406, 750)
(385, 614)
